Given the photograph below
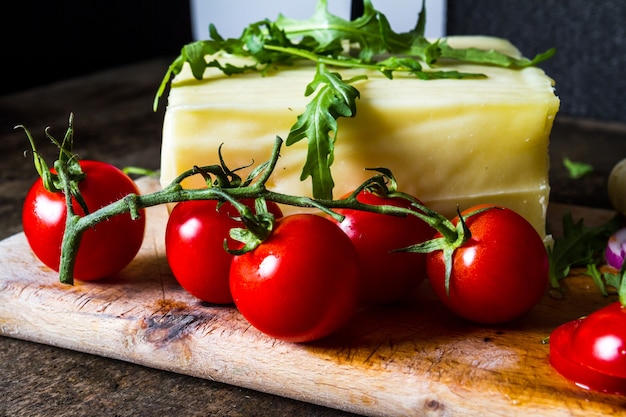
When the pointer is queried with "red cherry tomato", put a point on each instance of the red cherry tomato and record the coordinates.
(387, 276)
(194, 246)
(302, 283)
(591, 351)
(105, 249)
(499, 274)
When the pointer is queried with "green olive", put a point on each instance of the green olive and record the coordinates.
(617, 186)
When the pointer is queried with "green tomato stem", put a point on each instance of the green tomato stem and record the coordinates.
(73, 234)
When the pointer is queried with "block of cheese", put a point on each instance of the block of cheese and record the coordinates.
(449, 142)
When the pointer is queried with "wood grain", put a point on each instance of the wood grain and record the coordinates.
(411, 360)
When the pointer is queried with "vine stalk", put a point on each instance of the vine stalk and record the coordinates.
(76, 225)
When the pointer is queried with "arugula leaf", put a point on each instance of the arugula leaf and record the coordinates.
(370, 31)
(335, 98)
(617, 281)
(195, 54)
(577, 169)
(492, 57)
(580, 246)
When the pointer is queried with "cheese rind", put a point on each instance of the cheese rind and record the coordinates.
(448, 142)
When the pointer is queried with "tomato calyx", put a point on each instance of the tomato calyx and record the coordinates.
(67, 170)
(223, 177)
(258, 227)
(453, 237)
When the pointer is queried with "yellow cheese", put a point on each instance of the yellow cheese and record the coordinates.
(448, 142)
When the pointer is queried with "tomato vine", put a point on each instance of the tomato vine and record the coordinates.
(224, 184)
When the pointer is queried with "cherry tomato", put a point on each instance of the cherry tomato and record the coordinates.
(194, 246)
(302, 283)
(499, 274)
(591, 351)
(104, 249)
(387, 276)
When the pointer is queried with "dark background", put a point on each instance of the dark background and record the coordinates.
(590, 38)
(43, 42)
(47, 41)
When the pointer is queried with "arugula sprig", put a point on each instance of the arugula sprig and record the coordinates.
(367, 43)
(576, 169)
(335, 98)
(581, 246)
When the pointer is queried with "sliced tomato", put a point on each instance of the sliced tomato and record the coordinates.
(591, 351)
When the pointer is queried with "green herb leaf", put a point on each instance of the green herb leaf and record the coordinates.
(617, 281)
(577, 169)
(579, 247)
(329, 31)
(195, 54)
(334, 98)
(492, 57)
(612, 280)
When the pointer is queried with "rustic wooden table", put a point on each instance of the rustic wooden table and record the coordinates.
(114, 121)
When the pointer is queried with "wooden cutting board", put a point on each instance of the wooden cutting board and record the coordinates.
(411, 360)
